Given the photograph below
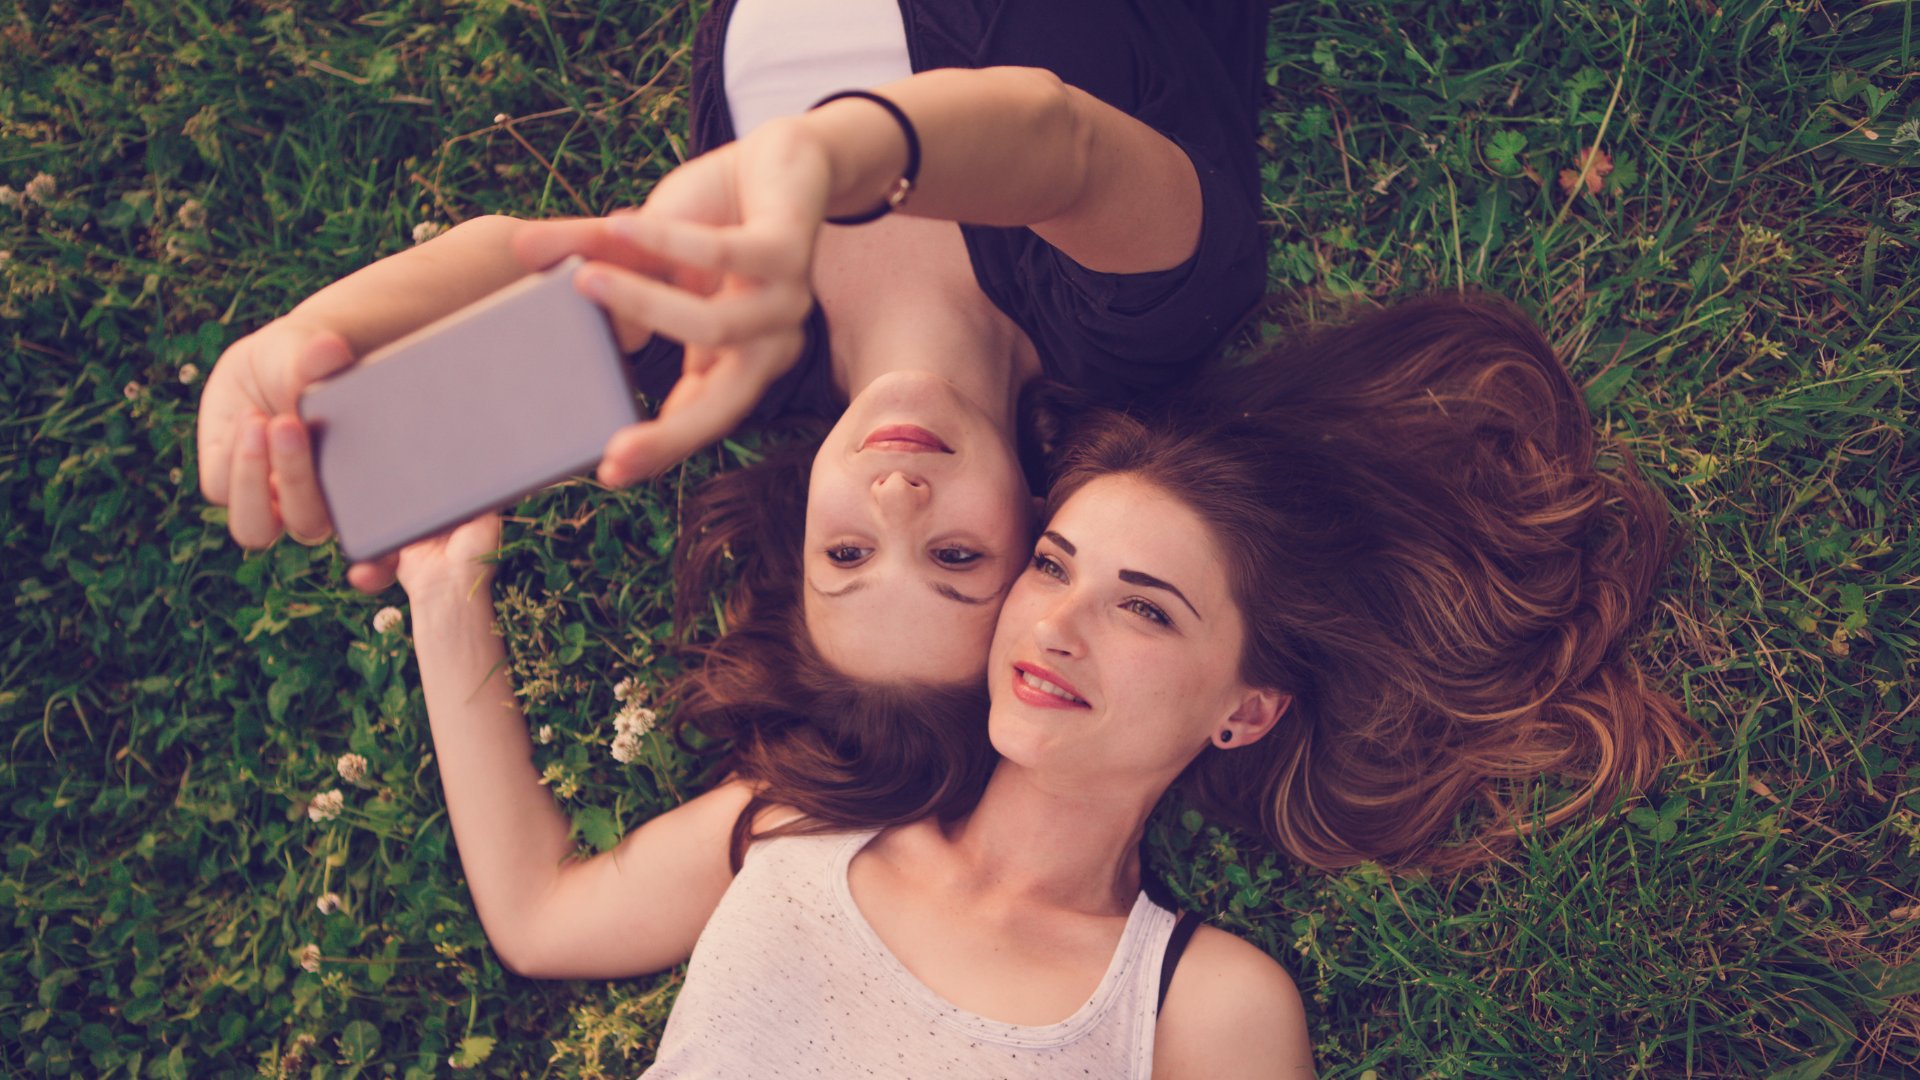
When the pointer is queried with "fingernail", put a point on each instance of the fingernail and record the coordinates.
(594, 285)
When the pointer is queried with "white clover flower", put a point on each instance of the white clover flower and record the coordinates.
(624, 689)
(310, 957)
(386, 620)
(131, 390)
(6, 256)
(635, 719)
(8, 196)
(175, 474)
(626, 747)
(544, 735)
(189, 374)
(40, 188)
(328, 903)
(426, 231)
(192, 215)
(353, 768)
(501, 118)
(326, 806)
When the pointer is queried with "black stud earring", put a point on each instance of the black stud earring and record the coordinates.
(1226, 736)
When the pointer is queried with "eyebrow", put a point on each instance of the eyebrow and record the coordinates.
(943, 589)
(1131, 577)
(1135, 577)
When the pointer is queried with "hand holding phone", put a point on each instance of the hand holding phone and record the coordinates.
(467, 414)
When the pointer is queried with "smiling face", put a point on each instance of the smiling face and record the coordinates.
(918, 517)
(1117, 655)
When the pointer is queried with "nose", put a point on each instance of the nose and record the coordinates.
(1059, 630)
(900, 495)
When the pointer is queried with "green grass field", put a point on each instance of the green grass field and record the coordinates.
(1740, 295)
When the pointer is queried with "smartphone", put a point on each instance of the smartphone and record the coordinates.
(469, 413)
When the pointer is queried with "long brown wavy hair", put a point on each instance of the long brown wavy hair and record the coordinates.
(1439, 562)
(1435, 555)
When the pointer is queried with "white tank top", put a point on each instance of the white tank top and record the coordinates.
(789, 980)
(781, 56)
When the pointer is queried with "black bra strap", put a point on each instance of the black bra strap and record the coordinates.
(1176, 944)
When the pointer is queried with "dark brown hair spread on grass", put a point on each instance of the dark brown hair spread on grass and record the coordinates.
(1432, 555)
(1431, 563)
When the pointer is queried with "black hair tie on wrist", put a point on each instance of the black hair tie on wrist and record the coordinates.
(902, 187)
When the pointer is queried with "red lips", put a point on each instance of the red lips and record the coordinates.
(905, 439)
(1041, 698)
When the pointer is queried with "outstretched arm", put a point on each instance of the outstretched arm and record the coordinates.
(635, 909)
(999, 146)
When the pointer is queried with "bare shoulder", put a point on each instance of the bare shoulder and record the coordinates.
(1232, 1011)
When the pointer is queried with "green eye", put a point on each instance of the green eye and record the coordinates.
(1148, 611)
(1045, 564)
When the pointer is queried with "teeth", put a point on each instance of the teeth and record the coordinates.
(1043, 685)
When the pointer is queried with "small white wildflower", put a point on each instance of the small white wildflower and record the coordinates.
(40, 188)
(176, 248)
(6, 256)
(635, 719)
(189, 374)
(8, 196)
(353, 768)
(175, 474)
(386, 620)
(131, 390)
(310, 957)
(326, 806)
(328, 903)
(501, 118)
(626, 747)
(192, 215)
(544, 735)
(623, 690)
(426, 231)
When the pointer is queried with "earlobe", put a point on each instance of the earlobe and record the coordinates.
(1258, 714)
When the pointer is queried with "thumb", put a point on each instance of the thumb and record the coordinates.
(322, 355)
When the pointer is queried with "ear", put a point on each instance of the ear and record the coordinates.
(1256, 715)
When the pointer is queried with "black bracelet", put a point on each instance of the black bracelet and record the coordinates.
(902, 187)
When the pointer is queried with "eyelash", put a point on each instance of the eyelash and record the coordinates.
(1046, 564)
(964, 556)
(834, 554)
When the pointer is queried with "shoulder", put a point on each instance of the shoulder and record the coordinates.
(1232, 1011)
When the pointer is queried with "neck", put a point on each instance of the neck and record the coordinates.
(976, 356)
(1032, 841)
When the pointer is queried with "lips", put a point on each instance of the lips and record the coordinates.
(1043, 689)
(905, 439)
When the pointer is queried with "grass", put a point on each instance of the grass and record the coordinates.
(1738, 297)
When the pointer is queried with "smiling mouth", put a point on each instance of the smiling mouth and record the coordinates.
(905, 439)
(1035, 688)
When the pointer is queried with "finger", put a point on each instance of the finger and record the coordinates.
(699, 410)
(713, 321)
(765, 251)
(373, 577)
(320, 356)
(290, 456)
(540, 244)
(250, 516)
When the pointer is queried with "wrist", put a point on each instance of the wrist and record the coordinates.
(451, 598)
(863, 149)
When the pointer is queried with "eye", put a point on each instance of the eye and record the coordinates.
(847, 554)
(1147, 611)
(1045, 564)
(952, 557)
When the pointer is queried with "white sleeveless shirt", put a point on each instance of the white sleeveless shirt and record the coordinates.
(789, 980)
(783, 55)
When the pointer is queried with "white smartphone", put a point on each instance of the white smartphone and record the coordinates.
(469, 413)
